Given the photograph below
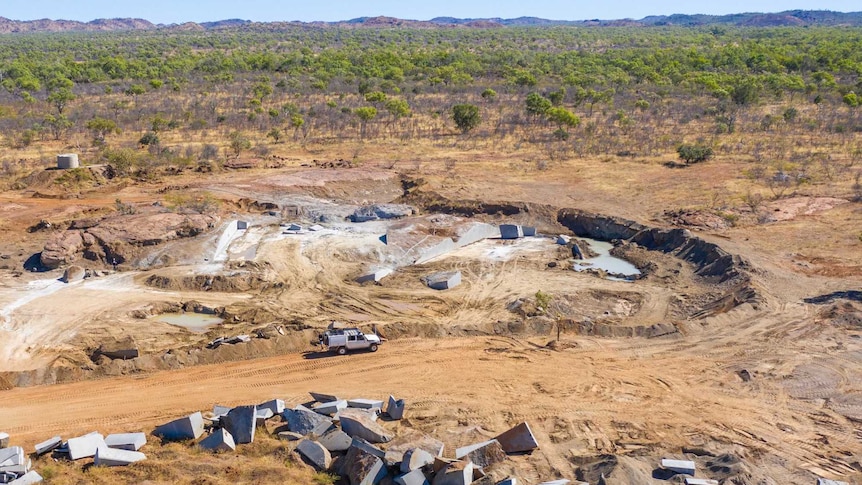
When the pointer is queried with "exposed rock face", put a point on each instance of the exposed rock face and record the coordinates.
(381, 211)
(114, 238)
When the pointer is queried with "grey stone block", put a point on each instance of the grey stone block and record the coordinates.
(367, 447)
(241, 423)
(320, 397)
(276, 405)
(683, 467)
(331, 407)
(416, 477)
(395, 408)
(511, 231)
(474, 232)
(113, 457)
(443, 280)
(458, 473)
(315, 454)
(85, 446)
(825, 481)
(304, 422)
(219, 440)
(375, 275)
(365, 404)
(509, 481)
(415, 459)
(13, 460)
(363, 468)
(528, 231)
(315, 228)
(359, 426)
(336, 440)
(562, 239)
(484, 454)
(190, 427)
(518, 439)
(48, 445)
(702, 481)
(428, 253)
(562, 481)
(126, 441)
(28, 478)
(412, 440)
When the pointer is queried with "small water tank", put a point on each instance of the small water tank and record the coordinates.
(67, 160)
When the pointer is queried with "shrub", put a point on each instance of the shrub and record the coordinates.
(694, 153)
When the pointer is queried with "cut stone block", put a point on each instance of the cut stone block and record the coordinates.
(683, 467)
(320, 397)
(509, 481)
(562, 481)
(365, 404)
(562, 239)
(85, 446)
(28, 478)
(443, 280)
(113, 457)
(304, 422)
(701, 481)
(13, 460)
(315, 228)
(241, 423)
(359, 426)
(427, 254)
(415, 459)
(395, 408)
(362, 467)
(367, 447)
(190, 427)
(48, 445)
(262, 414)
(4, 440)
(511, 231)
(473, 233)
(375, 275)
(331, 407)
(484, 454)
(315, 454)
(276, 405)
(410, 440)
(126, 441)
(241, 225)
(336, 440)
(825, 481)
(528, 231)
(416, 477)
(289, 436)
(458, 473)
(518, 439)
(219, 440)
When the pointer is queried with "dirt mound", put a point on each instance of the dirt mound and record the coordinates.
(119, 238)
(228, 283)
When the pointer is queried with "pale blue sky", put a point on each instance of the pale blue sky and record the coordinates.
(177, 11)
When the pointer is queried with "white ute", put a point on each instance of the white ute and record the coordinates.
(342, 340)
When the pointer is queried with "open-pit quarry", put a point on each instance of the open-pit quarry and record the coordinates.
(620, 342)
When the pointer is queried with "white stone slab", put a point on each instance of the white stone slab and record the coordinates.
(126, 441)
(113, 457)
(85, 446)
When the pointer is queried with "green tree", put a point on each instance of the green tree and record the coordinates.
(563, 118)
(101, 127)
(852, 100)
(538, 105)
(694, 153)
(398, 108)
(489, 94)
(57, 125)
(275, 134)
(238, 143)
(466, 117)
(375, 97)
(365, 114)
(61, 98)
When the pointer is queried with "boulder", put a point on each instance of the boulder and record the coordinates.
(241, 423)
(219, 440)
(335, 440)
(85, 446)
(304, 422)
(359, 426)
(395, 408)
(518, 439)
(48, 445)
(113, 457)
(416, 477)
(484, 454)
(457, 473)
(28, 478)
(409, 440)
(314, 454)
(73, 273)
(126, 441)
(62, 248)
(362, 467)
(415, 459)
(190, 427)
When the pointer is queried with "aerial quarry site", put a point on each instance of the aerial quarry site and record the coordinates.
(463, 307)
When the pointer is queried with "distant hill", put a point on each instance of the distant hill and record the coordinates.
(753, 19)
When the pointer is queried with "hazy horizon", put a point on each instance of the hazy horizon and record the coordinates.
(177, 12)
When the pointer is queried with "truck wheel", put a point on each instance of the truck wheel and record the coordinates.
(373, 348)
(341, 350)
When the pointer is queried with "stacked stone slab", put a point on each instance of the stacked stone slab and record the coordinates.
(13, 460)
(190, 427)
